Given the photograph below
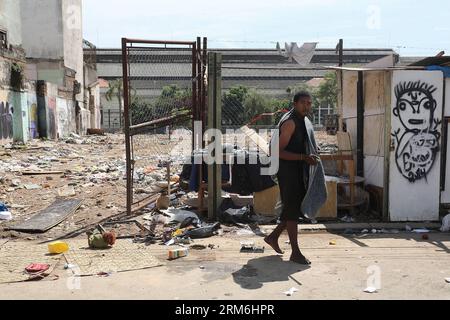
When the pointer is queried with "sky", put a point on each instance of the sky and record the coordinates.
(412, 28)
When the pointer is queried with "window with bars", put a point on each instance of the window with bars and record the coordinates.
(3, 40)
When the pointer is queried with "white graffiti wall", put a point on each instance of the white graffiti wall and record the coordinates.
(416, 129)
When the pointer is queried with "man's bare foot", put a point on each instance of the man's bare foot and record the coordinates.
(274, 245)
(299, 258)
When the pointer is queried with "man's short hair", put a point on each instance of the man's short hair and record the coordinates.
(300, 95)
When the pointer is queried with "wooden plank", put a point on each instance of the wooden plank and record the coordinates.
(50, 217)
(37, 173)
(214, 122)
(330, 208)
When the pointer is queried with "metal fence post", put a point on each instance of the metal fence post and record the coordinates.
(214, 122)
(127, 125)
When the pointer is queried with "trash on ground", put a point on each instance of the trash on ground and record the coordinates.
(163, 202)
(291, 291)
(58, 247)
(365, 231)
(408, 228)
(445, 224)
(421, 231)
(37, 267)
(66, 191)
(50, 217)
(371, 290)
(198, 247)
(447, 280)
(32, 187)
(250, 247)
(100, 239)
(69, 266)
(178, 253)
(203, 232)
(332, 242)
(177, 215)
(4, 212)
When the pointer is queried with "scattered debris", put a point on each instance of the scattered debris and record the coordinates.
(421, 231)
(163, 202)
(37, 268)
(408, 228)
(100, 239)
(333, 242)
(203, 232)
(4, 212)
(198, 247)
(32, 187)
(36, 173)
(69, 266)
(178, 215)
(178, 253)
(447, 280)
(254, 249)
(371, 290)
(58, 247)
(291, 292)
(66, 191)
(50, 217)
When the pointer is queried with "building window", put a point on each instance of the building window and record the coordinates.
(3, 40)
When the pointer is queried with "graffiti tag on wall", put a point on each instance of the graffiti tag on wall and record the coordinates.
(6, 121)
(417, 141)
(33, 121)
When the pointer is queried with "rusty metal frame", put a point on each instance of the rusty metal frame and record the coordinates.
(198, 100)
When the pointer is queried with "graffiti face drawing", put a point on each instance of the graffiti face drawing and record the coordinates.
(415, 105)
(418, 139)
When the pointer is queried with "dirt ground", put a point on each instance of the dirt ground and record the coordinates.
(402, 266)
(94, 169)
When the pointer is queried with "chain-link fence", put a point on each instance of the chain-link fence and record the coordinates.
(256, 98)
(110, 120)
(161, 82)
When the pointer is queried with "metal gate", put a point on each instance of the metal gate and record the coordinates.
(164, 93)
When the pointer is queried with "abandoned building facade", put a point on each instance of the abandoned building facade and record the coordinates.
(47, 90)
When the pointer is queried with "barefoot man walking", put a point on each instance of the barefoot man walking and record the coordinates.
(292, 174)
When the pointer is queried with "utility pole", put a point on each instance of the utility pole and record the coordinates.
(340, 51)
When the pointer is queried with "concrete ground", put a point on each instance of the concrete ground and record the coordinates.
(403, 265)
